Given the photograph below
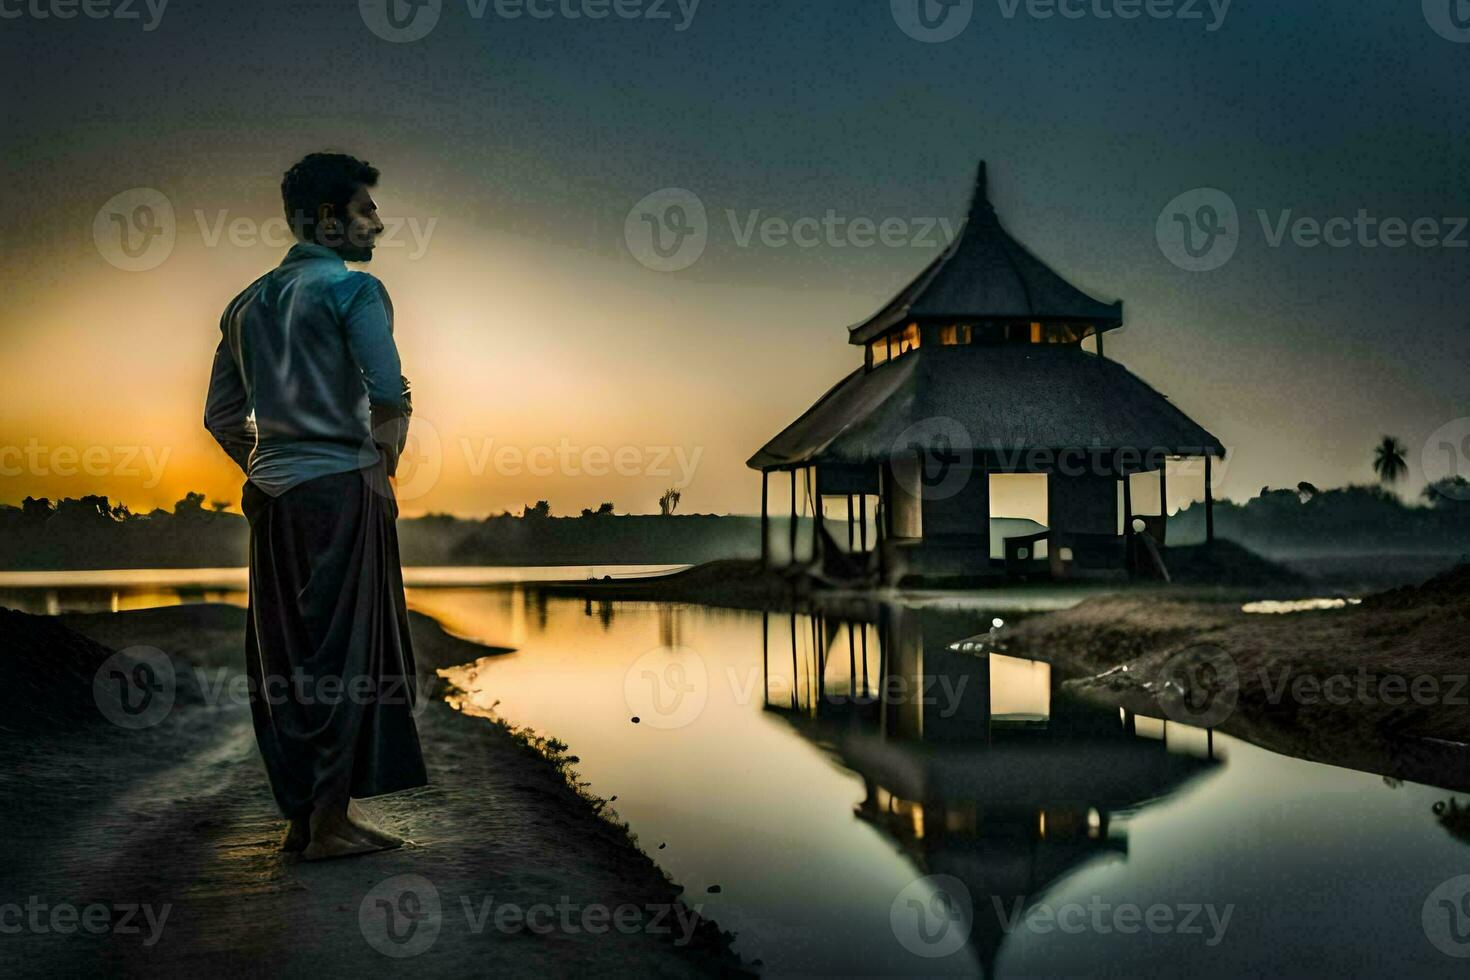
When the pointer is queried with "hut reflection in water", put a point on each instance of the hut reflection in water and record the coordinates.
(975, 763)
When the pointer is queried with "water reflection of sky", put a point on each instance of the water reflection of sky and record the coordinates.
(814, 813)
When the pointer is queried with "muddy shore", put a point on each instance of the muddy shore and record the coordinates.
(510, 868)
(1379, 684)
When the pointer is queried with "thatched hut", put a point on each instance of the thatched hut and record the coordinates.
(987, 366)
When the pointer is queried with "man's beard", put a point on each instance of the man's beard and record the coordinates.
(351, 252)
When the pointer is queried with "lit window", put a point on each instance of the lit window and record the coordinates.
(956, 334)
(907, 339)
(878, 350)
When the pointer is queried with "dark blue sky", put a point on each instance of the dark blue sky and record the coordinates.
(545, 132)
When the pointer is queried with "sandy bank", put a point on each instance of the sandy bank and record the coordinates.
(178, 816)
(1380, 685)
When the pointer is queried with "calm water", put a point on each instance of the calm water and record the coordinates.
(118, 590)
(870, 802)
(844, 836)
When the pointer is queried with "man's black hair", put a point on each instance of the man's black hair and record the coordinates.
(322, 178)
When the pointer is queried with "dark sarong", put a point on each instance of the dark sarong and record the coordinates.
(327, 648)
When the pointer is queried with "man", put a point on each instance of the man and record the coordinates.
(307, 397)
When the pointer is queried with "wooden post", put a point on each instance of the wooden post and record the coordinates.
(863, 521)
(885, 522)
(819, 627)
(1209, 502)
(1163, 499)
(795, 674)
(880, 521)
(766, 653)
(765, 520)
(1100, 344)
(849, 524)
(1128, 521)
(793, 516)
(851, 659)
(817, 515)
(1127, 504)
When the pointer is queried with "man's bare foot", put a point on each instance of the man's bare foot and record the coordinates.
(326, 846)
(298, 836)
(368, 829)
(334, 836)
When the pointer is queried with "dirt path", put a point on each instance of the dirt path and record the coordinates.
(177, 821)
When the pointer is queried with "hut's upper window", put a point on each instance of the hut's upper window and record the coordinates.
(907, 339)
(1060, 333)
(955, 335)
(1032, 332)
(894, 345)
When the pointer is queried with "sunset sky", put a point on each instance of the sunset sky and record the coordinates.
(513, 150)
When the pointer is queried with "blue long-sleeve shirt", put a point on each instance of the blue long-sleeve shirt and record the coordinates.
(305, 359)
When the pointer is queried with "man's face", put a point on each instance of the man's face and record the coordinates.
(352, 235)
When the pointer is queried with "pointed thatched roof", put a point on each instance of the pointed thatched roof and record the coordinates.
(1005, 399)
(984, 274)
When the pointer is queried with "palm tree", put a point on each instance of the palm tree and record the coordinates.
(1388, 460)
